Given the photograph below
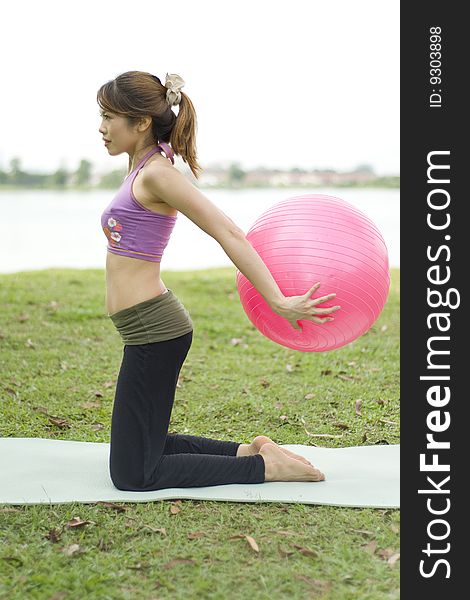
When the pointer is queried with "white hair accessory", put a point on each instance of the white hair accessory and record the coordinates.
(174, 83)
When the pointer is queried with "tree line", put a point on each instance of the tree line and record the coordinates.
(81, 177)
(232, 176)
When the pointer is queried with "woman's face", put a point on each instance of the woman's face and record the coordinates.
(115, 128)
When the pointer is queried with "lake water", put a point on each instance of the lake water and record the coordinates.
(43, 228)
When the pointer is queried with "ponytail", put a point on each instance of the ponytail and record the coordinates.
(183, 134)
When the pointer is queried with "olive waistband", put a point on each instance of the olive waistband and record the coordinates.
(155, 320)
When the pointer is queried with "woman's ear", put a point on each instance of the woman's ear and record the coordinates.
(144, 124)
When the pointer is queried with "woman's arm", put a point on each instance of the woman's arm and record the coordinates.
(169, 185)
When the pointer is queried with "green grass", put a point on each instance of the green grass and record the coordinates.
(59, 363)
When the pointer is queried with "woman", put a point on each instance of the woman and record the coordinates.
(156, 329)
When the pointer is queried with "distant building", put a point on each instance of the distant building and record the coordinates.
(214, 176)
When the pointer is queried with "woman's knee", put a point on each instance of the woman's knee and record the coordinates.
(119, 482)
(122, 480)
(125, 485)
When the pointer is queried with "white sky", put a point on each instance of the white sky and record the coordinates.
(308, 83)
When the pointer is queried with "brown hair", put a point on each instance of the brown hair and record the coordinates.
(137, 94)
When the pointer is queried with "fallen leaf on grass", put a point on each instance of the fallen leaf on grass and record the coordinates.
(386, 553)
(22, 318)
(289, 368)
(236, 341)
(341, 425)
(264, 382)
(196, 534)
(344, 376)
(370, 547)
(358, 408)
(325, 435)
(363, 531)
(104, 546)
(87, 405)
(306, 551)
(318, 585)
(309, 396)
(283, 532)
(161, 530)
(30, 344)
(388, 422)
(97, 426)
(178, 561)
(118, 507)
(70, 550)
(174, 508)
(183, 378)
(62, 423)
(53, 535)
(248, 538)
(77, 522)
(252, 543)
(139, 567)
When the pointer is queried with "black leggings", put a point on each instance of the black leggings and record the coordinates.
(143, 456)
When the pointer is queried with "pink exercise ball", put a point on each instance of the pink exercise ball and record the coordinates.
(317, 238)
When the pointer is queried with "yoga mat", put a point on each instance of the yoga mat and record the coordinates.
(37, 471)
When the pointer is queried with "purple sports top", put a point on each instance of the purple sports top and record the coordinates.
(133, 230)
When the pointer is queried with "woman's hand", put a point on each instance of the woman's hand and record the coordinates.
(295, 308)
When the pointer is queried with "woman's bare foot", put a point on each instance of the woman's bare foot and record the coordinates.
(280, 467)
(258, 443)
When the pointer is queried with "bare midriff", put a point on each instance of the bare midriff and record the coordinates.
(130, 281)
